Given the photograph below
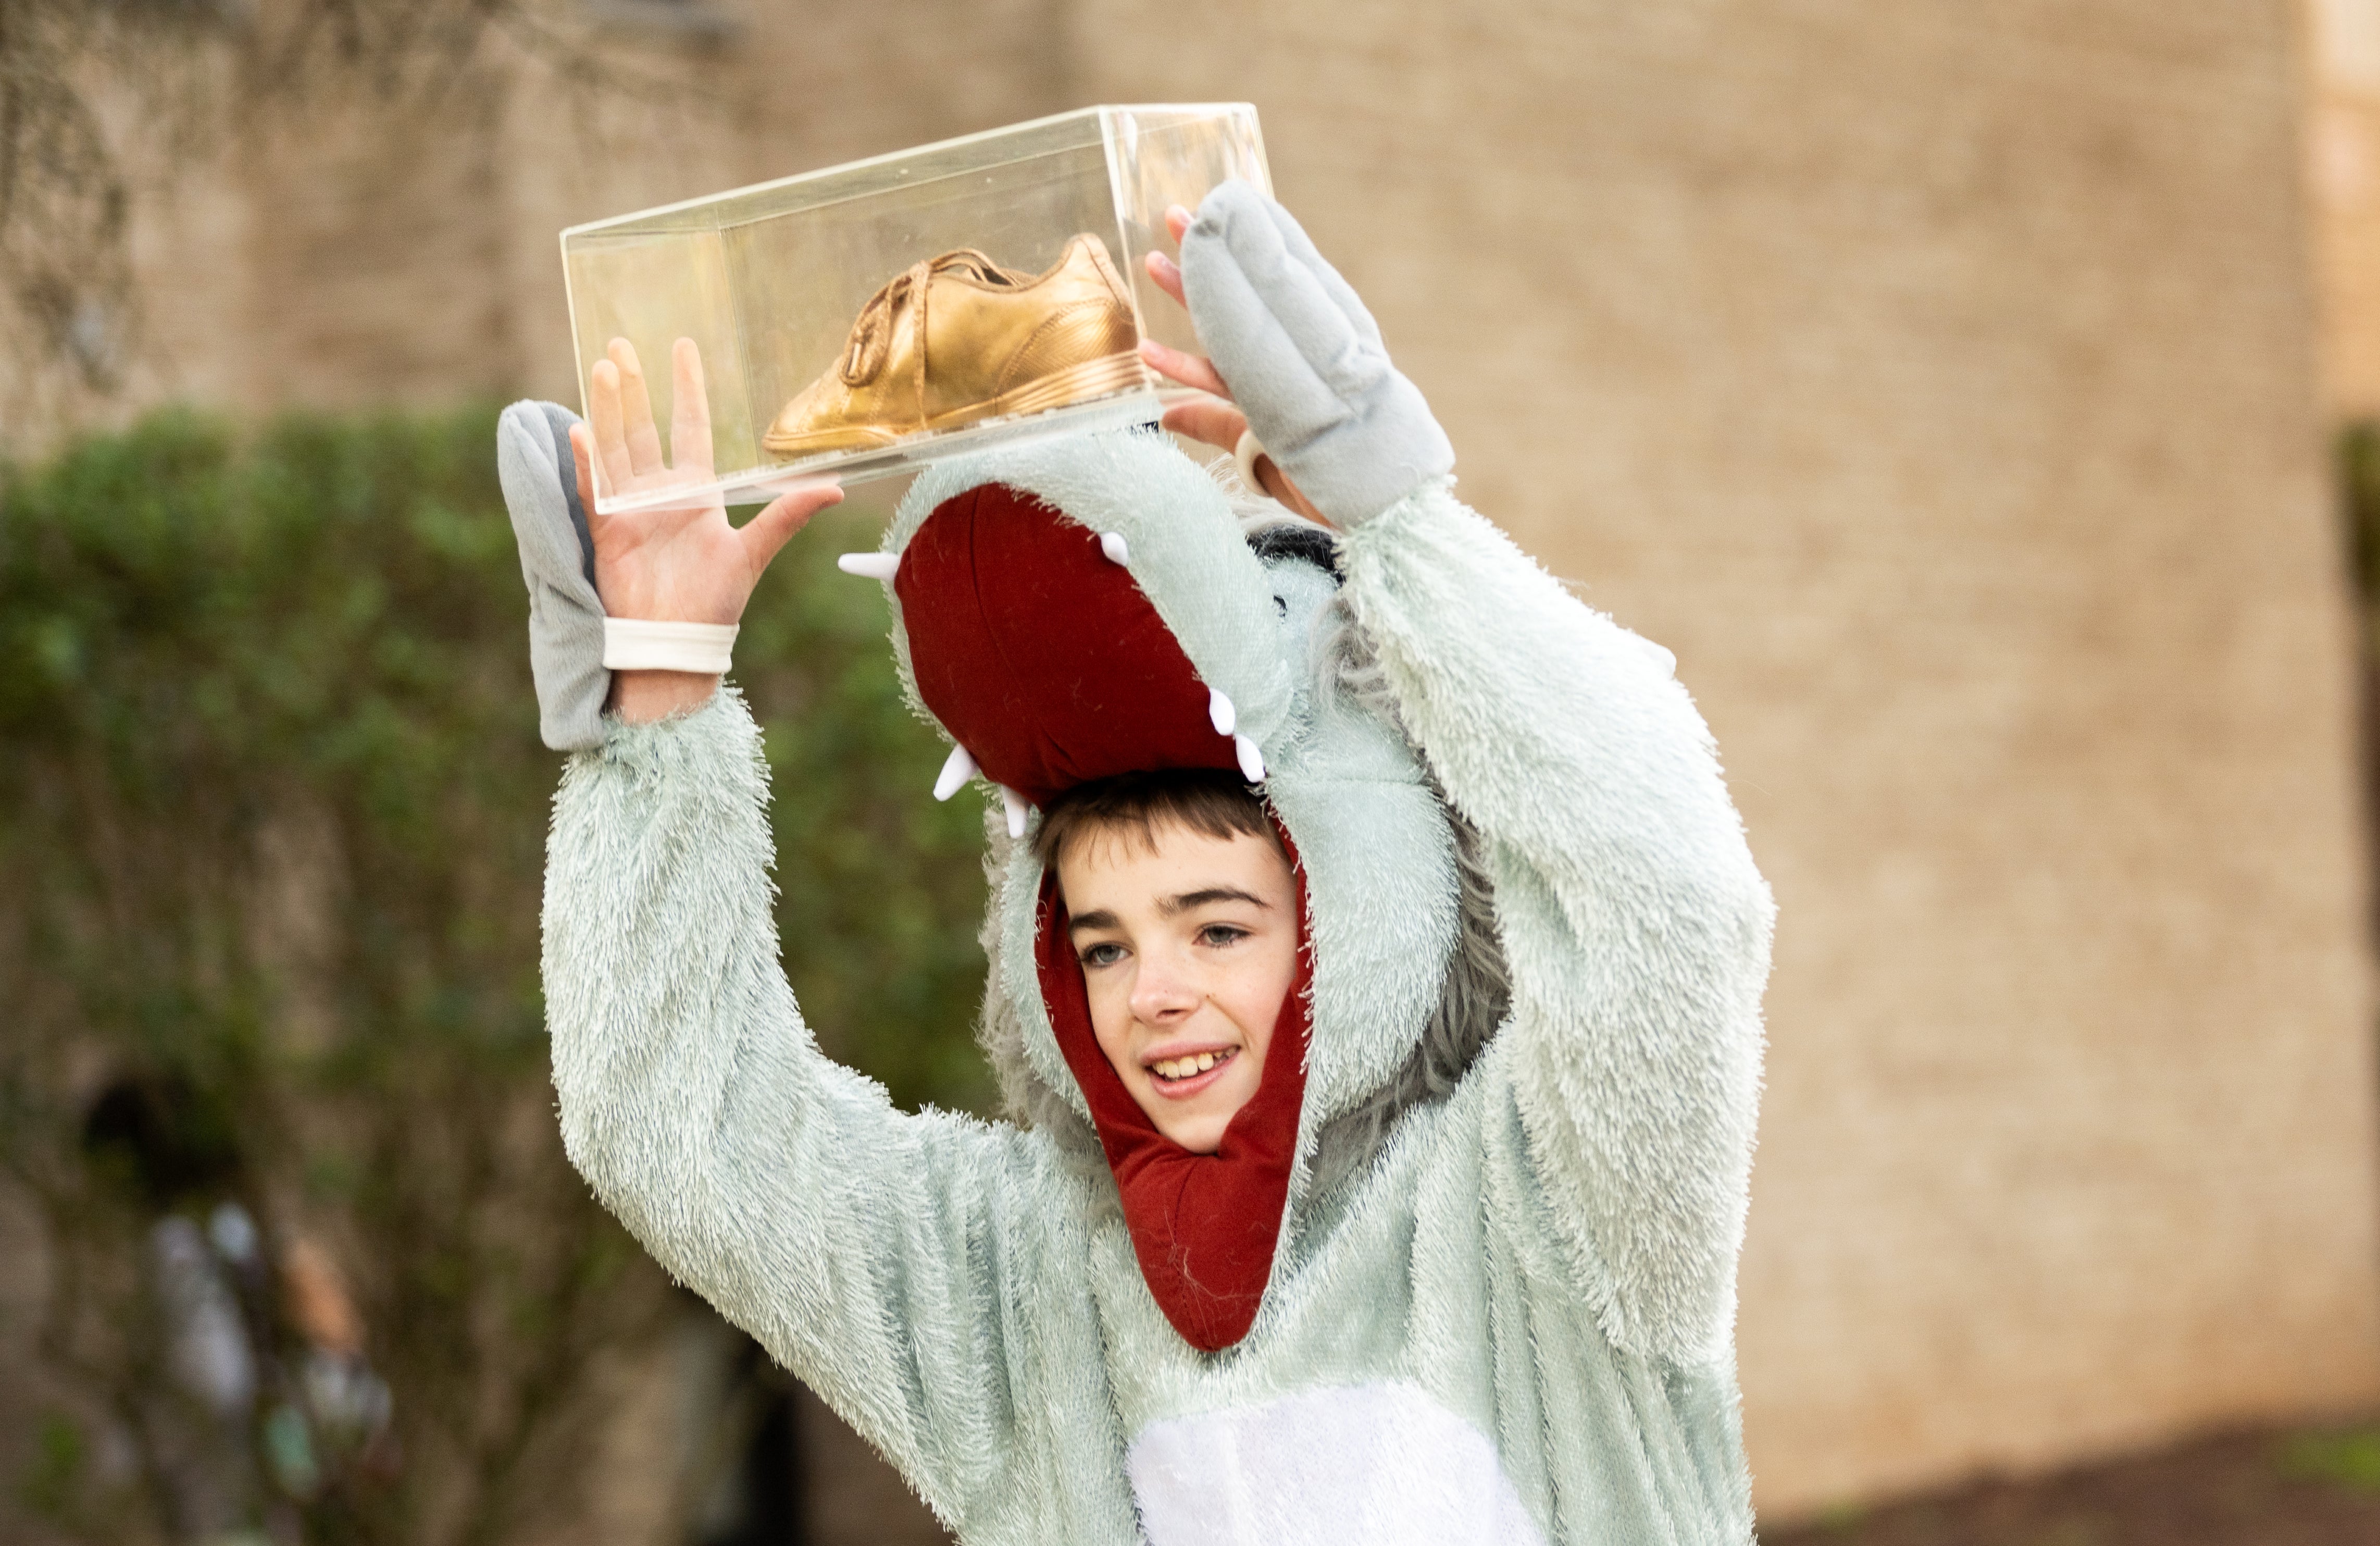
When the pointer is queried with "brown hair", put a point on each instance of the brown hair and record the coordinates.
(1206, 800)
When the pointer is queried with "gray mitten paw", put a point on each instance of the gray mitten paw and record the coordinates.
(1304, 358)
(557, 554)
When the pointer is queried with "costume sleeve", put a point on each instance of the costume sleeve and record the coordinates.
(869, 1251)
(1635, 924)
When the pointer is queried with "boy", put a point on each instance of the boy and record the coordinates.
(1380, 985)
(1183, 915)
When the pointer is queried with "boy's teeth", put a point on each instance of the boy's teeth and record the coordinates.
(1185, 1067)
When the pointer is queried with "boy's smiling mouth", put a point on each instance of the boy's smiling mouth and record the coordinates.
(1188, 1073)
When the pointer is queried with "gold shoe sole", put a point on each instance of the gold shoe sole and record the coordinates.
(850, 437)
(1093, 378)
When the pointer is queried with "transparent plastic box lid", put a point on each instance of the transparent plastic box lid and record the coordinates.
(862, 320)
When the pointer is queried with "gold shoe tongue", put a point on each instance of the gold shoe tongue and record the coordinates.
(977, 267)
(871, 335)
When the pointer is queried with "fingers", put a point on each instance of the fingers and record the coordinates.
(604, 414)
(1162, 269)
(636, 409)
(1209, 421)
(1188, 369)
(690, 414)
(1277, 484)
(1168, 274)
(1219, 424)
(765, 533)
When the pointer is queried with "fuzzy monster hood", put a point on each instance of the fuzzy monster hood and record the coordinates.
(1089, 606)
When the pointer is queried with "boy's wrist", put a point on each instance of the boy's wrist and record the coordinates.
(642, 697)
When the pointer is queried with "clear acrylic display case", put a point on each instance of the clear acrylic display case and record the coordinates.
(847, 331)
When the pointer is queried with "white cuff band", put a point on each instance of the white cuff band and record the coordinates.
(1245, 453)
(702, 648)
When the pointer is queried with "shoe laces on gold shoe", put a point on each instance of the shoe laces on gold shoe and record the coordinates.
(871, 335)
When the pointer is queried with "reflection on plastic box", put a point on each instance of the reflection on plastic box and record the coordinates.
(860, 321)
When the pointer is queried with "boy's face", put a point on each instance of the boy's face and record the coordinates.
(1188, 947)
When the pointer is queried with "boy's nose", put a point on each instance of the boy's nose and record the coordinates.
(1161, 992)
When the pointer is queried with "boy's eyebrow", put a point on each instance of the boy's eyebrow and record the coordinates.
(1170, 907)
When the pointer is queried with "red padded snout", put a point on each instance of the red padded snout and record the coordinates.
(1040, 655)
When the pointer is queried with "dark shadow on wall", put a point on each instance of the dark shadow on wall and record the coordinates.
(2357, 462)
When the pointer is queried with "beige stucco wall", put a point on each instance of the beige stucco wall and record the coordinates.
(1940, 382)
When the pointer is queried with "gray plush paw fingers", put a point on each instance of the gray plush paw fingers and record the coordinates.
(538, 497)
(1285, 398)
(565, 615)
(565, 467)
(1243, 269)
(1300, 246)
(1305, 360)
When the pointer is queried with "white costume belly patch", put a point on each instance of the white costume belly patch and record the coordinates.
(1380, 1464)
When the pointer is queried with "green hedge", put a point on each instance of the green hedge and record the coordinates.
(272, 811)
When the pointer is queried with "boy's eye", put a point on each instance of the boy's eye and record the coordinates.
(1106, 954)
(1221, 933)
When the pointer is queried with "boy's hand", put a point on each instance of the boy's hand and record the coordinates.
(1303, 358)
(680, 563)
(1218, 422)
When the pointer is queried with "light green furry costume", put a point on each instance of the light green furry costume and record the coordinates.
(1501, 1304)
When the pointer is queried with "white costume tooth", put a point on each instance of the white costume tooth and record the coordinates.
(1221, 713)
(1015, 802)
(957, 770)
(1251, 760)
(870, 565)
(1113, 546)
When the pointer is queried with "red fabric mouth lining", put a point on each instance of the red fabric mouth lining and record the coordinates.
(1042, 657)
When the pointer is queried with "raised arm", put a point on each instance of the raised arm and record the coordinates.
(865, 1249)
(1635, 925)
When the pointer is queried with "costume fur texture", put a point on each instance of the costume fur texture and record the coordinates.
(1501, 1305)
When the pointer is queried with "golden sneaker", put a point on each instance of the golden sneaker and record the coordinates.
(958, 339)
